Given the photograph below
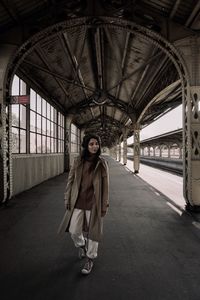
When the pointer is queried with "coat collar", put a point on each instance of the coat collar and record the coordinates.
(100, 161)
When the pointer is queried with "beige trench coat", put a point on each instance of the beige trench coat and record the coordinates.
(101, 191)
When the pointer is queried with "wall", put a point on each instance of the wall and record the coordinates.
(30, 170)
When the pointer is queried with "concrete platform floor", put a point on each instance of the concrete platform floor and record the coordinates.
(148, 252)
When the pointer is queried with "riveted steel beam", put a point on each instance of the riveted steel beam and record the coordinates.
(42, 56)
(76, 69)
(59, 76)
(174, 9)
(11, 10)
(151, 59)
(193, 14)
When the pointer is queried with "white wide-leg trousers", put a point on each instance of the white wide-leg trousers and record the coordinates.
(76, 231)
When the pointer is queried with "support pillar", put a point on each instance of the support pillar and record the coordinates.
(136, 149)
(148, 150)
(190, 51)
(154, 151)
(168, 148)
(160, 151)
(115, 152)
(120, 150)
(112, 152)
(68, 121)
(180, 152)
(125, 133)
(6, 52)
(82, 133)
(194, 167)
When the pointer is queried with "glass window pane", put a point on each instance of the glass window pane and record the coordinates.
(32, 142)
(32, 121)
(72, 128)
(15, 114)
(58, 115)
(39, 143)
(48, 145)
(52, 113)
(73, 138)
(72, 148)
(48, 110)
(58, 118)
(39, 124)
(39, 104)
(55, 145)
(22, 141)
(33, 100)
(52, 145)
(62, 133)
(54, 130)
(44, 108)
(15, 140)
(22, 116)
(22, 87)
(44, 126)
(43, 144)
(15, 86)
(55, 115)
(58, 145)
(62, 146)
(52, 124)
(48, 127)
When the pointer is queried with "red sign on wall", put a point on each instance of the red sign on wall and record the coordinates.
(23, 99)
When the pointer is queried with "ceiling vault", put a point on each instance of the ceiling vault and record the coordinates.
(41, 55)
(107, 63)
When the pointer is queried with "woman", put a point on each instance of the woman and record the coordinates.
(86, 200)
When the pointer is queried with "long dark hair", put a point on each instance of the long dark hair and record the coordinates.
(85, 153)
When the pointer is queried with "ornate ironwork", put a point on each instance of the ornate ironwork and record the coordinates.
(1, 154)
(195, 93)
(148, 35)
(5, 152)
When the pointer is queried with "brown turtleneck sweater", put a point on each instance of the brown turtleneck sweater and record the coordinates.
(86, 196)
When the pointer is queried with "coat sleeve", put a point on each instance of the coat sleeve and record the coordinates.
(105, 187)
(70, 181)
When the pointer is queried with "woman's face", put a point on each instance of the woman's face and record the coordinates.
(93, 146)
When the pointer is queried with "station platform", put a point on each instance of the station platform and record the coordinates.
(148, 251)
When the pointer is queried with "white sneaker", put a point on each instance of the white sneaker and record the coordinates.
(87, 267)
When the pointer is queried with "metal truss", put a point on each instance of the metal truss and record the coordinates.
(151, 37)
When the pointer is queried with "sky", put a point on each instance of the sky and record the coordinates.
(170, 121)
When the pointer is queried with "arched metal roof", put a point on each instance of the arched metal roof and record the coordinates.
(91, 66)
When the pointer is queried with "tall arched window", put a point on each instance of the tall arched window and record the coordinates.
(19, 126)
(40, 120)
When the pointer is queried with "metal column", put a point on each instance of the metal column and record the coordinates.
(6, 52)
(68, 120)
(136, 149)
